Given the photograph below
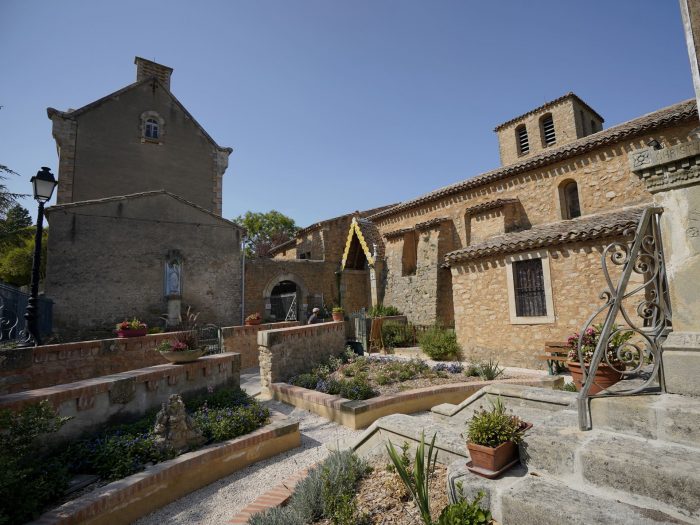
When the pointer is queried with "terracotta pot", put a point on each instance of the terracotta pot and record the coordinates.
(140, 332)
(338, 316)
(184, 356)
(605, 376)
(493, 459)
(253, 322)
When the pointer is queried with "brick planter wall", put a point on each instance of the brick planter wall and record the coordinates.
(289, 351)
(244, 340)
(127, 395)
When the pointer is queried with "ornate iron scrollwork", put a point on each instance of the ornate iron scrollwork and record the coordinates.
(637, 313)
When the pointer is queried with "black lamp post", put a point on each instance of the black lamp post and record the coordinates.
(44, 183)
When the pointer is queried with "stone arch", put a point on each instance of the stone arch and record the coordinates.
(302, 292)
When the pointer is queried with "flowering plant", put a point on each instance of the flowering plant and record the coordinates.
(254, 317)
(589, 341)
(182, 343)
(134, 324)
(338, 310)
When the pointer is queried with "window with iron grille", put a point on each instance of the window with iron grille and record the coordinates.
(548, 130)
(528, 280)
(523, 142)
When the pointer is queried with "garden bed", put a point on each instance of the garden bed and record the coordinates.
(37, 468)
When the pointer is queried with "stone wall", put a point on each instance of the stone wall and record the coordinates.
(482, 319)
(48, 365)
(127, 395)
(355, 289)
(287, 352)
(243, 340)
(106, 262)
(314, 279)
(115, 159)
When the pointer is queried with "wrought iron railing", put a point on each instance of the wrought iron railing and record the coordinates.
(13, 305)
(637, 313)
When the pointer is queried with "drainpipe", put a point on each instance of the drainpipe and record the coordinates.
(243, 279)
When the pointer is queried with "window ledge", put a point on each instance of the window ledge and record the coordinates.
(546, 319)
(151, 141)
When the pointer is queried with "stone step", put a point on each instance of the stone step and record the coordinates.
(546, 501)
(659, 470)
(665, 417)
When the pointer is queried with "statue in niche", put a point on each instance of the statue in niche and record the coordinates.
(173, 277)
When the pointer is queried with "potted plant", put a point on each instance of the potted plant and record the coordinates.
(606, 375)
(133, 328)
(183, 349)
(492, 440)
(338, 313)
(253, 319)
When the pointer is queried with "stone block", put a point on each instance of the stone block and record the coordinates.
(551, 447)
(661, 471)
(681, 355)
(16, 358)
(630, 415)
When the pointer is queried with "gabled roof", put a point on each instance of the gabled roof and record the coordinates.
(681, 112)
(140, 195)
(293, 241)
(584, 228)
(569, 95)
(51, 112)
(369, 237)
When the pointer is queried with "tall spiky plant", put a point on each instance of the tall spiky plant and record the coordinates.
(418, 483)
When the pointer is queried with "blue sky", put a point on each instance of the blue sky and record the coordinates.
(335, 106)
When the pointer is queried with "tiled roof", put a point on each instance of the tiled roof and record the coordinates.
(549, 104)
(293, 241)
(140, 195)
(372, 236)
(491, 205)
(432, 223)
(580, 229)
(681, 112)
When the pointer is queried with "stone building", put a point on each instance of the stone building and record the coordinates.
(137, 229)
(512, 257)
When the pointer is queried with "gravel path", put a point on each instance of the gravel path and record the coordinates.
(222, 500)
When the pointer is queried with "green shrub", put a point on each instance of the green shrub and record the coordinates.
(30, 477)
(569, 387)
(306, 499)
(219, 424)
(472, 370)
(465, 513)
(357, 388)
(396, 335)
(277, 516)
(494, 427)
(340, 474)
(380, 310)
(440, 344)
(221, 398)
(305, 381)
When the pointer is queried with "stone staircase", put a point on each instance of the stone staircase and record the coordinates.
(639, 465)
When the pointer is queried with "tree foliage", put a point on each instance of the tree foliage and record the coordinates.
(7, 198)
(17, 246)
(265, 231)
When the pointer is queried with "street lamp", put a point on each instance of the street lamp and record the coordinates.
(43, 183)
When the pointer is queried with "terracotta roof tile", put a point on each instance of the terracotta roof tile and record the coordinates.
(580, 229)
(491, 205)
(427, 225)
(549, 104)
(681, 112)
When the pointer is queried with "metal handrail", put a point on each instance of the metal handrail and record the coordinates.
(644, 256)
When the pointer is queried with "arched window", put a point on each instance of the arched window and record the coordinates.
(549, 136)
(568, 194)
(522, 140)
(152, 129)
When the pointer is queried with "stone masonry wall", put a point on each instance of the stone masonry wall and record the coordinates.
(243, 340)
(128, 395)
(287, 352)
(106, 263)
(482, 317)
(48, 365)
(355, 288)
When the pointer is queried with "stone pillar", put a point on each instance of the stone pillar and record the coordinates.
(673, 176)
(690, 11)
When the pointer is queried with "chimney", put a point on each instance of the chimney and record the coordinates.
(146, 68)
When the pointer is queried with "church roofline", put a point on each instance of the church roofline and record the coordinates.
(569, 95)
(51, 112)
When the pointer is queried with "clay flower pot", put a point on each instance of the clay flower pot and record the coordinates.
(605, 376)
(493, 459)
(140, 332)
(338, 316)
(253, 322)
(184, 356)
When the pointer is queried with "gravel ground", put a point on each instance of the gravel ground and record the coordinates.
(222, 500)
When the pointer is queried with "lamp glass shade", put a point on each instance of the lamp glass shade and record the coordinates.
(44, 184)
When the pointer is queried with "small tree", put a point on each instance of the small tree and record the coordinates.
(265, 231)
(7, 198)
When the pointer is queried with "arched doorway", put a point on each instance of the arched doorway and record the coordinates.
(283, 302)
